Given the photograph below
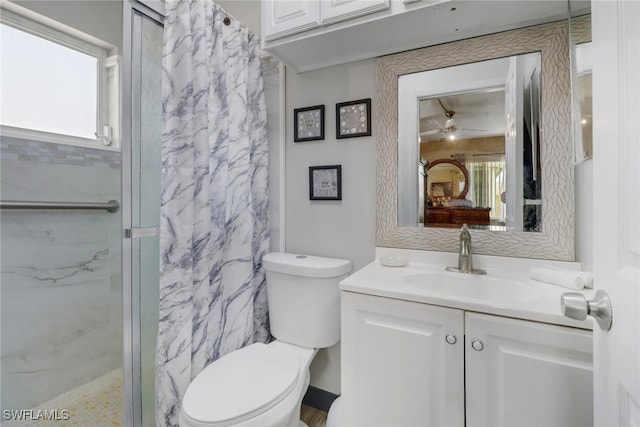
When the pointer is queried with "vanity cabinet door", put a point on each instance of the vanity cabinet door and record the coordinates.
(522, 373)
(402, 363)
(282, 18)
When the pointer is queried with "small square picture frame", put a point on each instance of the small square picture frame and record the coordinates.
(325, 182)
(353, 118)
(308, 123)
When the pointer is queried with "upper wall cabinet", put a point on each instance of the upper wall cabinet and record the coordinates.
(311, 34)
(281, 18)
(332, 11)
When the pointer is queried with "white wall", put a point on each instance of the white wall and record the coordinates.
(339, 229)
(274, 101)
(584, 213)
(99, 18)
(247, 11)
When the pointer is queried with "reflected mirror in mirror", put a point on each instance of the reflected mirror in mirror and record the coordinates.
(446, 181)
(580, 42)
(478, 145)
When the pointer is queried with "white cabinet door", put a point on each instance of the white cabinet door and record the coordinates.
(340, 10)
(397, 367)
(281, 18)
(521, 373)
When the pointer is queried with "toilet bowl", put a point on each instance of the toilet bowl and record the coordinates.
(262, 385)
(259, 385)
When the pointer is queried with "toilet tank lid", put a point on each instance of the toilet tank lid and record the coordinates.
(305, 265)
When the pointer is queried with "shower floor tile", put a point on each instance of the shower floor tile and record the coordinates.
(102, 407)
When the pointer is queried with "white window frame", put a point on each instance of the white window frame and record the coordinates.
(108, 70)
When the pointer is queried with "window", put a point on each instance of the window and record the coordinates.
(55, 87)
(487, 176)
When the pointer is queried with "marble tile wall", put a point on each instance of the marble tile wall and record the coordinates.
(60, 294)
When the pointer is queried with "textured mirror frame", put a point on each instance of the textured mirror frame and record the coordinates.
(556, 241)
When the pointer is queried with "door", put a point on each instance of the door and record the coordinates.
(616, 95)
(142, 116)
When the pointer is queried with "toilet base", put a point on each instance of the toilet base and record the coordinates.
(295, 420)
(333, 417)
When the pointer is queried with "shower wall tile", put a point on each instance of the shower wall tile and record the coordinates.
(60, 295)
(46, 152)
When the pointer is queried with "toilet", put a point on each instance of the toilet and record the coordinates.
(262, 385)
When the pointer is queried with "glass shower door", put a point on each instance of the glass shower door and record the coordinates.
(142, 182)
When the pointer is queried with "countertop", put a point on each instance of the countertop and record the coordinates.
(540, 302)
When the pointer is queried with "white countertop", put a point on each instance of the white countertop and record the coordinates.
(539, 301)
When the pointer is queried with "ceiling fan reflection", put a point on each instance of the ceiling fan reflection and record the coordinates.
(449, 130)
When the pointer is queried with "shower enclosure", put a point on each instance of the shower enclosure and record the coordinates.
(74, 286)
(79, 288)
(142, 121)
(61, 288)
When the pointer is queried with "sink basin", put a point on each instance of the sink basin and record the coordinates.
(469, 286)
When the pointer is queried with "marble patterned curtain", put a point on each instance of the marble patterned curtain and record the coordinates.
(214, 214)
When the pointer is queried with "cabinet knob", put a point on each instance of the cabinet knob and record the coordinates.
(477, 345)
(451, 339)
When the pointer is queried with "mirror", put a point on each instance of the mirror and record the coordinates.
(478, 115)
(547, 112)
(581, 65)
(445, 181)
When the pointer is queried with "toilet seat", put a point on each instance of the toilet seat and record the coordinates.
(241, 385)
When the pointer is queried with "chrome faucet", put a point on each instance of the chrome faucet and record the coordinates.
(465, 261)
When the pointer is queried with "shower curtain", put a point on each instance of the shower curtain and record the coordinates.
(214, 214)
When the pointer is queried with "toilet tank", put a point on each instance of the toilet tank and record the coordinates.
(304, 299)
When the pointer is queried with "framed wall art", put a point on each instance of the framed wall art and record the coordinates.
(308, 123)
(353, 118)
(325, 182)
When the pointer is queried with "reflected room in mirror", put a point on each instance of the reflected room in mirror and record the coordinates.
(478, 133)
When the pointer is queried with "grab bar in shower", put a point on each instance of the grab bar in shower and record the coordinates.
(112, 206)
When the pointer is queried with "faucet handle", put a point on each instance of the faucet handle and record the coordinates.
(465, 254)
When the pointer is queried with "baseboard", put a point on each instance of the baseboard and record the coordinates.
(318, 398)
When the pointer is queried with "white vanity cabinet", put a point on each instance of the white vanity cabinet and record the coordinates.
(413, 364)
